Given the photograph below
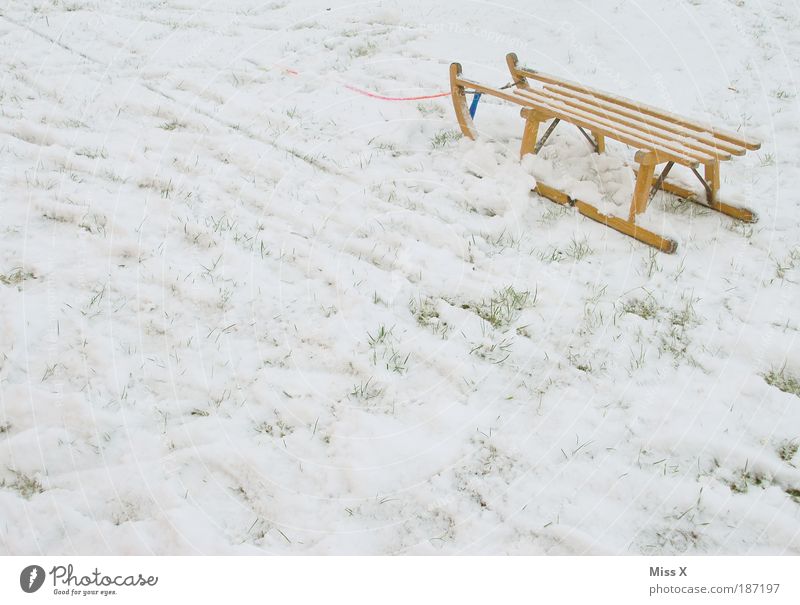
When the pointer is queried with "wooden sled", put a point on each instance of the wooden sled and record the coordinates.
(660, 137)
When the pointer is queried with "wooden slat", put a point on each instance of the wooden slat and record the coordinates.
(679, 134)
(724, 135)
(648, 119)
(628, 136)
(665, 153)
(618, 127)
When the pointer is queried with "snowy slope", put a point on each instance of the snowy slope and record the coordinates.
(246, 309)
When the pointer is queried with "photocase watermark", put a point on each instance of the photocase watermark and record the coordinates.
(489, 35)
(66, 582)
(31, 578)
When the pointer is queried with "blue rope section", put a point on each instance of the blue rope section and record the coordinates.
(474, 107)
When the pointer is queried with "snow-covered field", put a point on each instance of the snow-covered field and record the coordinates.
(247, 309)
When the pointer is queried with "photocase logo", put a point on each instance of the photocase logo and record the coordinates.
(31, 578)
(66, 582)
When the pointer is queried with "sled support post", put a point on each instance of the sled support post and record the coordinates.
(712, 178)
(599, 142)
(644, 180)
(531, 133)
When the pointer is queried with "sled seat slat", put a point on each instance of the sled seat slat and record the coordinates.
(551, 108)
(643, 108)
(641, 138)
(679, 134)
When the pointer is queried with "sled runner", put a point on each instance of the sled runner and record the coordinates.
(660, 137)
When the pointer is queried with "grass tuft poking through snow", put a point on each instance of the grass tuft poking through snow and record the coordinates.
(782, 380)
(788, 449)
(646, 308)
(366, 390)
(744, 479)
(27, 486)
(16, 276)
(503, 307)
(445, 137)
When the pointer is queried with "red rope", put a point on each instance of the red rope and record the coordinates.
(367, 93)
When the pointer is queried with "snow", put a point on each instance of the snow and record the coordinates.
(245, 309)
